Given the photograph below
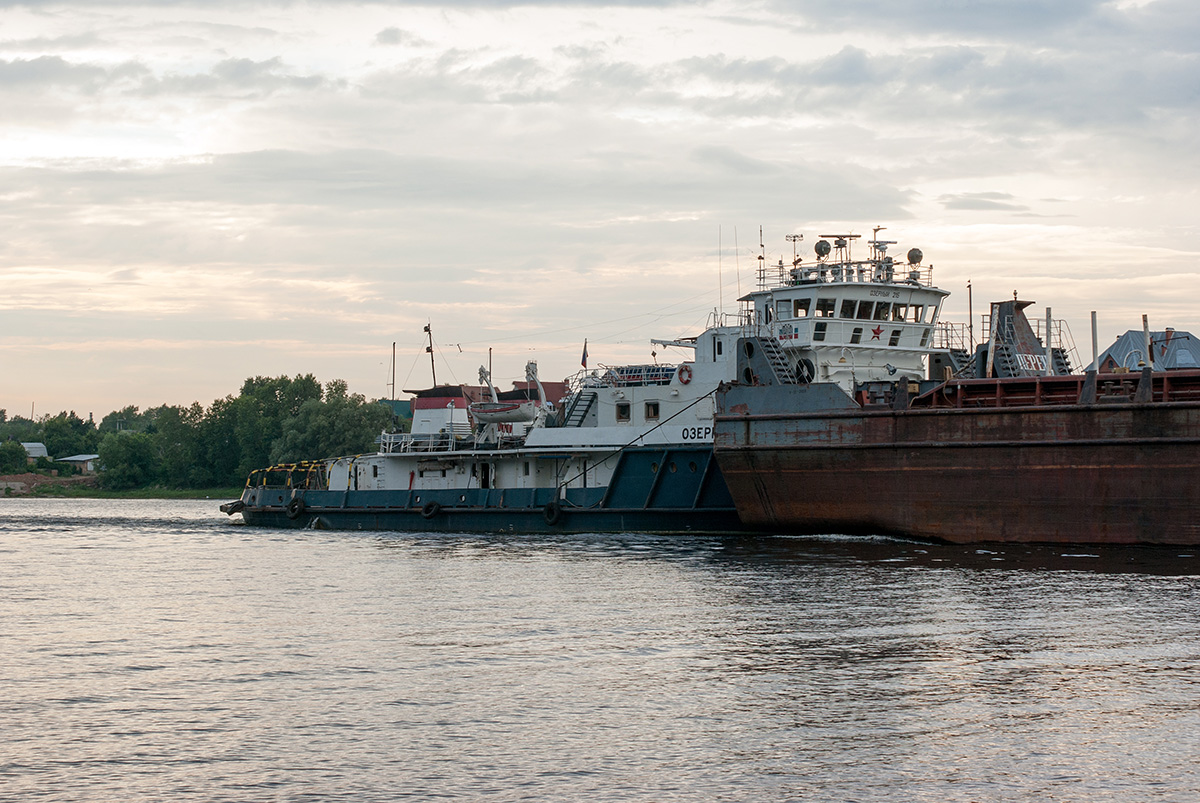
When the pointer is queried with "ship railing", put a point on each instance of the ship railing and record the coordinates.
(306, 474)
(949, 336)
(1060, 334)
(406, 442)
(622, 376)
(866, 272)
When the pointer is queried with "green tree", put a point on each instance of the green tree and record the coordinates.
(126, 460)
(67, 434)
(13, 458)
(177, 447)
(127, 418)
(260, 412)
(21, 429)
(337, 424)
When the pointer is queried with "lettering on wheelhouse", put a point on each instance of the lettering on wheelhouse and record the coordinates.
(699, 433)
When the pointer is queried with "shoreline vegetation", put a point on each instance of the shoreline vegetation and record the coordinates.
(191, 452)
(38, 486)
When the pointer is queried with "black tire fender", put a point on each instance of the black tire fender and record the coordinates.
(295, 508)
(552, 512)
(430, 510)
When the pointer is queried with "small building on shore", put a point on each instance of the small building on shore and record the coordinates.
(35, 450)
(86, 463)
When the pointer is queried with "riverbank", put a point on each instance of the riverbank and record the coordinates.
(86, 487)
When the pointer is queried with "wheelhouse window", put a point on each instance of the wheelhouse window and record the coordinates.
(883, 311)
(848, 307)
(801, 308)
(651, 411)
(622, 411)
(825, 307)
(783, 309)
(899, 311)
(916, 313)
(864, 310)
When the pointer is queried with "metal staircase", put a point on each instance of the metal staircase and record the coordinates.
(774, 354)
(579, 408)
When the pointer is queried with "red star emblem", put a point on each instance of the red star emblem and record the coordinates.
(876, 332)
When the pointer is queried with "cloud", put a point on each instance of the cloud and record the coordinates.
(175, 168)
(396, 36)
(982, 201)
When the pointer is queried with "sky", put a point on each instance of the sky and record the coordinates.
(196, 193)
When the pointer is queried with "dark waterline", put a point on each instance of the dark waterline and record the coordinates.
(156, 651)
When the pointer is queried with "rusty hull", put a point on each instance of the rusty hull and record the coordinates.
(1115, 473)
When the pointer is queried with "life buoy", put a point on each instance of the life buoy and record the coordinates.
(685, 374)
(295, 508)
(552, 513)
(430, 510)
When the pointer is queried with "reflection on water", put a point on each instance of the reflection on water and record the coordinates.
(156, 650)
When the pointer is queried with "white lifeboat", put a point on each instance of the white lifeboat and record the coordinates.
(498, 412)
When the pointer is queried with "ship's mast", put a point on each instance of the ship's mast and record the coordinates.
(429, 349)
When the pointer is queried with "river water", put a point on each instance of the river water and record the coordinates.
(160, 651)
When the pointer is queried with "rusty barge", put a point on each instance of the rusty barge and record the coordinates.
(1070, 459)
(1003, 441)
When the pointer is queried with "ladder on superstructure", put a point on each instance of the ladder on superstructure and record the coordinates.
(579, 408)
(779, 363)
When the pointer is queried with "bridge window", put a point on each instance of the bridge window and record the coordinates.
(819, 331)
(652, 411)
(825, 307)
(864, 310)
(899, 311)
(801, 308)
(783, 309)
(623, 411)
(895, 338)
(856, 335)
(883, 310)
(916, 313)
(848, 307)
(925, 339)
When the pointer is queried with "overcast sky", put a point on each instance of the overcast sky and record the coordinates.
(194, 193)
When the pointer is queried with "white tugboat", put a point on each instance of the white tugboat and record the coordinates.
(626, 448)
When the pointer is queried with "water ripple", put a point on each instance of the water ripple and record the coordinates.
(159, 651)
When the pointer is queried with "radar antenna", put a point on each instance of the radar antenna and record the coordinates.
(793, 239)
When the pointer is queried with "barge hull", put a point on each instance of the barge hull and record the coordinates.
(513, 520)
(1100, 473)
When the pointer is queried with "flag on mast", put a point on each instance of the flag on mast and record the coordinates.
(583, 361)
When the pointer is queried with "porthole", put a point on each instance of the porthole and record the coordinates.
(654, 468)
(462, 497)
(692, 467)
(672, 467)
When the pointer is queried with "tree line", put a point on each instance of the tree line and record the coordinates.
(271, 420)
